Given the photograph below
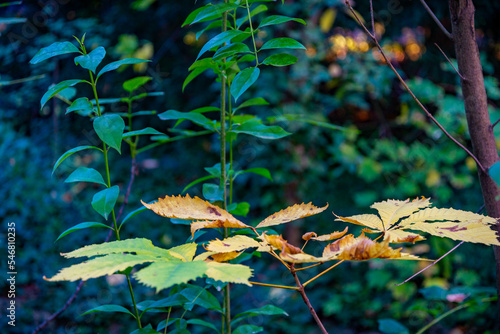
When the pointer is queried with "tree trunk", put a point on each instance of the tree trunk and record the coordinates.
(476, 107)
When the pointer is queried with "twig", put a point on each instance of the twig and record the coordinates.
(274, 285)
(449, 61)
(409, 90)
(440, 25)
(494, 124)
(133, 172)
(372, 17)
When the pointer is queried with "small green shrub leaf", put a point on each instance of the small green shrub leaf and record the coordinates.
(278, 19)
(280, 59)
(55, 49)
(91, 60)
(241, 209)
(257, 101)
(248, 329)
(204, 323)
(193, 75)
(109, 308)
(70, 152)
(260, 130)
(195, 182)
(201, 297)
(145, 331)
(264, 310)
(145, 131)
(52, 91)
(212, 192)
(114, 65)
(494, 172)
(110, 129)
(194, 117)
(220, 39)
(282, 43)
(243, 80)
(82, 106)
(391, 326)
(133, 84)
(84, 174)
(209, 12)
(82, 226)
(174, 300)
(258, 170)
(104, 201)
(229, 50)
(132, 214)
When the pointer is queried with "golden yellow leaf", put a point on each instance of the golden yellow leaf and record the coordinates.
(192, 208)
(302, 258)
(331, 236)
(236, 243)
(400, 236)
(372, 221)
(309, 235)
(391, 211)
(224, 257)
(291, 213)
(195, 226)
(278, 242)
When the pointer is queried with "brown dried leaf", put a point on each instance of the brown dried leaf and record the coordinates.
(278, 242)
(309, 235)
(400, 236)
(331, 236)
(291, 213)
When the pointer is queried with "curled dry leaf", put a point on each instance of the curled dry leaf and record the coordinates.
(291, 213)
(278, 242)
(331, 236)
(309, 235)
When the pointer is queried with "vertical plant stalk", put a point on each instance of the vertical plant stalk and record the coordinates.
(253, 34)
(108, 177)
(302, 292)
(476, 107)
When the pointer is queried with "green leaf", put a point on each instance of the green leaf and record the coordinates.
(209, 12)
(258, 170)
(184, 252)
(241, 209)
(243, 80)
(132, 214)
(104, 201)
(52, 91)
(91, 60)
(494, 172)
(200, 322)
(257, 101)
(193, 75)
(231, 273)
(201, 297)
(212, 192)
(280, 59)
(220, 39)
(145, 330)
(391, 326)
(82, 106)
(260, 130)
(229, 50)
(282, 43)
(81, 226)
(277, 19)
(55, 49)
(248, 329)
(110, 129)
(70, 152)
(84, 174)
(264, 310)
(194, 117)
(212, 25)
(109, 308)
(114, 65)
(201, 179)
(174, 300)
(163, 275)
(145, 131)
(133, 84)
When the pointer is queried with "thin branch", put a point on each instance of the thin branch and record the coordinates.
(323, 272)
(274, 285)
(494, 124)
(409, 90)
(449, 61)
(311, 266)
(372, 17)
(440, 25)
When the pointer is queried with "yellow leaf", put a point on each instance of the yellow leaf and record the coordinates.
(372, 221)
(302, 258)
(278, 242)
(327, 19)
(331, 236)
(391, 211)
(233, 273)
(400, 236)
(236, 243)
(184, 252)
(224, 257)
(291, 213)
(195, 226)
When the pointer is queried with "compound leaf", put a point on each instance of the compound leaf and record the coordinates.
(291, 213)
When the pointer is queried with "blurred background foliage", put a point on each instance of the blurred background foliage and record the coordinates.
(386, 149)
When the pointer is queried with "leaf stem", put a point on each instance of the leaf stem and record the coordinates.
(323, 272)
(253, 35)
(275, 286)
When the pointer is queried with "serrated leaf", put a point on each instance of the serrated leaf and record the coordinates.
(184, 252)
(84, 174)
(278, 19)
(92, 60)
(291, 213)
(220, 39)
(132, 84)
(82, 226)
(243, 80)
(163, 275)
(236, 243)
(104, 201)
(100, 266)
(52, 91)
(145, 131)
(280, 59)
(260, 130)
(70, 152)
(110, 128)
(109, 308)
(230, 50)
(231, 273)
(282, 43)
(392, 210)
(278, 242)
(55, 49)
(81, 105)
(114, 65)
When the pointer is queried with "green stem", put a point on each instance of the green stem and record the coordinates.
(108, 178)
(230, 113)
(253, 34)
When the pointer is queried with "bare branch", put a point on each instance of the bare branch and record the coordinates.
(410, 91)
(449, 61)
(372, 17)
(440, 25)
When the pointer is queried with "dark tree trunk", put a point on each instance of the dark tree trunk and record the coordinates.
(476, 107)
